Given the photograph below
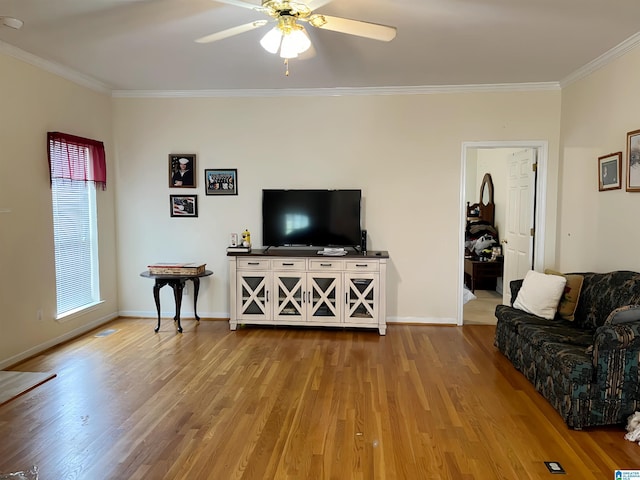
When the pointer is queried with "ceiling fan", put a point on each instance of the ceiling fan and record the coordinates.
(288, 37)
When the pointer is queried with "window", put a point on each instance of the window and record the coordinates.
(75, 243)
(76, 166)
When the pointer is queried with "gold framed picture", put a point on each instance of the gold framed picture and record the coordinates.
(633, 161)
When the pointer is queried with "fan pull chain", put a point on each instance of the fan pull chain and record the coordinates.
(286, 67)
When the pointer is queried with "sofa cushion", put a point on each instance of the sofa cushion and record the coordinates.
(628, 313)
(540, 294)
(556, 333)
(570, 296)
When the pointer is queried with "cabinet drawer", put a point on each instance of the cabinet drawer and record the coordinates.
(253, 263)
(362, 266)
(289, 264)
(326, 264)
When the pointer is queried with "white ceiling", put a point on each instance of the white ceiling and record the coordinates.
(149, 44)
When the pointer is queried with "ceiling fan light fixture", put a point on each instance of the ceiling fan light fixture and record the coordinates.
(287, 37)
(272, 40)
(295, 43)
(288, 49)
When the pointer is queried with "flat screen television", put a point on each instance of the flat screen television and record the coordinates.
(320, 218)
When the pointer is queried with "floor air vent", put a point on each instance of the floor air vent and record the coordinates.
(106, 333)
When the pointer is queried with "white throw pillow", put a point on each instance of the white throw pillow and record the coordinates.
(540, 294)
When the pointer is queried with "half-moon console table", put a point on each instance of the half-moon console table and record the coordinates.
(299, 287)
(176, 282)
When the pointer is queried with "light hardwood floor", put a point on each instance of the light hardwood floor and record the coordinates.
(422, 402)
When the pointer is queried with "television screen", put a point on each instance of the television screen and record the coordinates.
(311, 218)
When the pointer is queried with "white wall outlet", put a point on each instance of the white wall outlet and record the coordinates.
(39, 315)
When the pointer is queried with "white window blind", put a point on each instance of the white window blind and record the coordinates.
(75, 241)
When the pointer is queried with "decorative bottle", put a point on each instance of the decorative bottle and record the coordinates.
(246, 238)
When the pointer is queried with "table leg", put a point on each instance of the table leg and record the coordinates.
(196, 289)
(156, 296)
(178, 286)
(468, 280)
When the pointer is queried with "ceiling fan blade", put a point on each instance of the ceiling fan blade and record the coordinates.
(374, 31)
(230, 32)
(316, 4)
(240, 3)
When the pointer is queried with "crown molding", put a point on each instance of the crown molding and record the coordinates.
(55, 68)
(618, 51)
(339, 91)
(93, 84)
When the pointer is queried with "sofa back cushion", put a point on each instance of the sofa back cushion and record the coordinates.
(540, 294)
(604, 292)
(569, 300)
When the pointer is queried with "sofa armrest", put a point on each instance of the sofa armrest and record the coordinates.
(515, 287)
(617, 337)
(616, 352)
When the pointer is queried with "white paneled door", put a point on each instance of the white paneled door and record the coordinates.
(517, 239)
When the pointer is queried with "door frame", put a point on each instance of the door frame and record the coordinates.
(542, 146)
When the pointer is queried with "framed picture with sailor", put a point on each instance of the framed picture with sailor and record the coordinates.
(182, 167)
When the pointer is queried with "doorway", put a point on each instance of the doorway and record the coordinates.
(477, 157)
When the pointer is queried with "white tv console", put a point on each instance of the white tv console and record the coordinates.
(300, 287)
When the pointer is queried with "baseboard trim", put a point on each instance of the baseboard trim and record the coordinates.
(186, 314)
(422, 320)
(225, 315)
(8, 362)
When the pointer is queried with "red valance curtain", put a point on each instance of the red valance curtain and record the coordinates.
(77, 158)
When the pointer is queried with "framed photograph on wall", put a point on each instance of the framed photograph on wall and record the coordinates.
(633, 161)
(221, 181)
(609, 168)
(182, 167)
(184, 205)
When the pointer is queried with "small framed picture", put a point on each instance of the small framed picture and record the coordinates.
(184, 205)
(633, 161)
(221, 181)
(609, 167)
(182, 167)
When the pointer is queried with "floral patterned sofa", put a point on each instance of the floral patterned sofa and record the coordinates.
(586, 368)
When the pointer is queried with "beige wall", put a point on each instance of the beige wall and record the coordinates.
(34, 102)
(598, 231)
(404, 152)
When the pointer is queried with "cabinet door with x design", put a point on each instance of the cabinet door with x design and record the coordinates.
(253, 299)
(324, 294)
(361, 298)
(307, 297)
(290, 289)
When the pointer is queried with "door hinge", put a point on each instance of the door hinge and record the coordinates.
(533, 232)
(534, 167)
